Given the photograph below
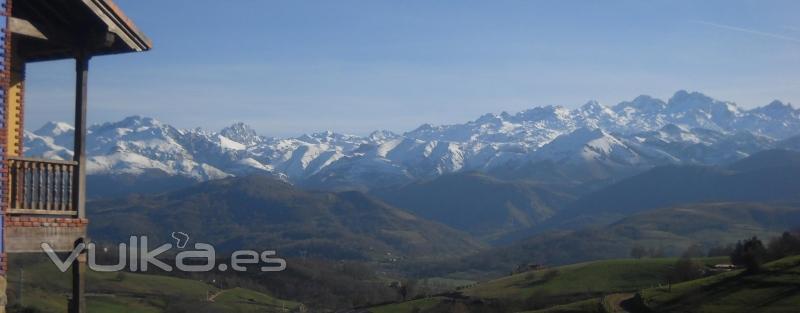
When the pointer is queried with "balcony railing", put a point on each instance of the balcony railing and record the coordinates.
(40, 186)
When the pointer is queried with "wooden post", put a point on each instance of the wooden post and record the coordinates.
(81, 93)
(78, 303)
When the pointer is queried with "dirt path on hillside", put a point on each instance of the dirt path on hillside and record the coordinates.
(613, 303)
(214, 296)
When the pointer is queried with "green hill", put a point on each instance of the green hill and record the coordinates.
(583, 306)
(263, 213)
(775, 289)
(576, 281)
(45, 289)
(669, 230)
(554, 289)
(423, 304)
(610, 286)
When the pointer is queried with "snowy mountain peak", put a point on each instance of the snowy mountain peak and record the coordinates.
(319, 137)
(588, 146)
(54, 129)
(133, 123)
(593, 105)
(594, 109)
(776, 108)
(242, 133)
(380, 136)
(687, 101)
(489, 118)
(641, 104)
(544, 113)
(778, 103)
(332, 141)
(683, 100)
(138, 121)
(423, 127)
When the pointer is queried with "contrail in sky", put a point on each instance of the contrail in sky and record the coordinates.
(749, 31)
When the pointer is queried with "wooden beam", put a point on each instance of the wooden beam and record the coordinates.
(42, 212)
(41, 160)
(22, 27)
(55, 31)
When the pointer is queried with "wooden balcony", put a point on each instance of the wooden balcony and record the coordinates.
(42, 187)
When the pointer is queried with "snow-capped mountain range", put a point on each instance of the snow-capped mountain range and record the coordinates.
(688, 128)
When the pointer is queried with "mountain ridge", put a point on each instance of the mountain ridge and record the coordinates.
(689, 128)
(765, 176)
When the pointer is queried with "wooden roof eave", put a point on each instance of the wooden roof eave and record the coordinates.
(59, 30)
(119, 24)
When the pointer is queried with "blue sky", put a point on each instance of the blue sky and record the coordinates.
(291, 67)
